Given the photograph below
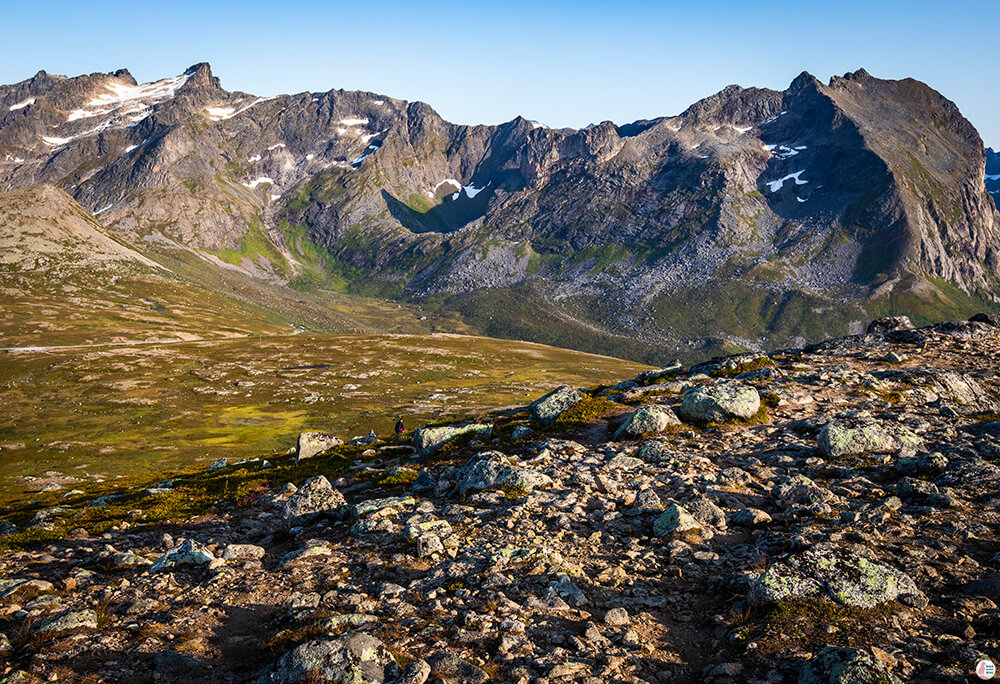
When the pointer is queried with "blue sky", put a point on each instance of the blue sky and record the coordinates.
(562, 63)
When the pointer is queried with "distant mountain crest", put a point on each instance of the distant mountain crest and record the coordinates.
(803, 200)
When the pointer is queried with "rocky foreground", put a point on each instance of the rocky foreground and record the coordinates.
(819, 515)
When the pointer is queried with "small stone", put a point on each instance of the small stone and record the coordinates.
(616, 617)
(751, 517)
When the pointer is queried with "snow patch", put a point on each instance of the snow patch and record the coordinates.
(774, 118)
(257, 181)
(743, 129)
(801, 200)
(274, 197)
(255, 158)
(354, 122)
(368, 152)
(224, 113)
(156, 91)
(470, 190)
(310, 157)
(774, 186)
(378, 102)
(22, 105)
(102, 210)
(16, 160)
(446, 181)
(272, 148)
(55, 142)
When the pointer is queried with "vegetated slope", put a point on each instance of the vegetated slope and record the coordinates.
(65, 280)
(755, 218)
(95, 413)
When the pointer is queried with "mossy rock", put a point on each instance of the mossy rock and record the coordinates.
(719, 402)
(851, 438)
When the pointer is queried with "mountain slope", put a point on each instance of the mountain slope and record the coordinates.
(755, 218)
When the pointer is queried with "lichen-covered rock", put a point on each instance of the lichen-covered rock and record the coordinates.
(312, 443)
(835, 665)
(356, 658)
(314, 498)
(678, 522)
(237, 553)
(719, 402)
(10, 587)
(429, 439)
(363, 508)
(411, 532)
(69, 621)
(829, 571)
(188, 555)
(647, 420)
(861, 436)
(547, 408)
(493, 470)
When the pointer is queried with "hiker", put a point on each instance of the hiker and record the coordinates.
(371, 434)
(400, 428)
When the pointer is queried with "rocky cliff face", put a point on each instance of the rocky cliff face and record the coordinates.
(753, 218)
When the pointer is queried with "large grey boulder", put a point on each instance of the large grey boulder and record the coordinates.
(430, 439)
(314, 498)
(832, 572)
(853, 437)
(356, 658)
(312, 443)
(494, 470)
(546, 409)
(647, 420)
(719, 402)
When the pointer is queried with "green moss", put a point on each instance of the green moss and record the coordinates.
(803, 624)
(583, 413)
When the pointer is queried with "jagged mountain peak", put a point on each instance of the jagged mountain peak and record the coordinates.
(833, 192)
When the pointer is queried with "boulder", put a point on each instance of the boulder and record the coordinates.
(677, 522)
(313, 499)
(237, 553)
(312, 443)
(719, 402)
(832, 572)
(547, 408)
(357, 658)
(647, 420)
(854, 437)
(187, 555)
(430, 439)
(69, 621)
(493, 470)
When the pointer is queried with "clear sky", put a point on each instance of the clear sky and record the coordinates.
(561, 63)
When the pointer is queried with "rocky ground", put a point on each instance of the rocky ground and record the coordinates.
(826, 514)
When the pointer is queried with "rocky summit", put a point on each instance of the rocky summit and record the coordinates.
(754, 219)
(819, 514)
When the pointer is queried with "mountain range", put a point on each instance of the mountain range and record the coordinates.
(754, 219)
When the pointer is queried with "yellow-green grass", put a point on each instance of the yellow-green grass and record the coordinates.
(103, 412)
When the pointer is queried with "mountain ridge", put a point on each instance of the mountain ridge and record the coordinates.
(824, 198)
